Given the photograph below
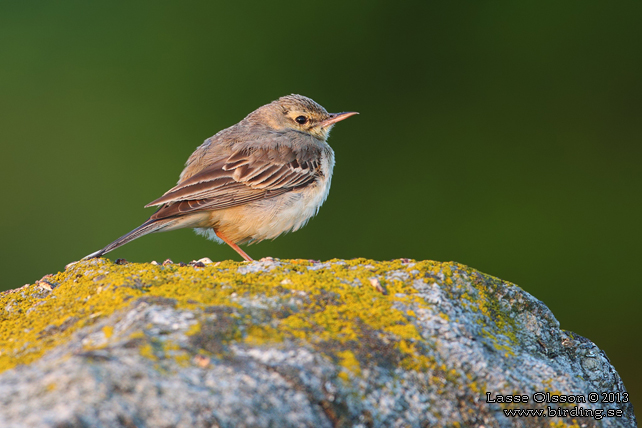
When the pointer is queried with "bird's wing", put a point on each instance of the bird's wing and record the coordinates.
(244, 176)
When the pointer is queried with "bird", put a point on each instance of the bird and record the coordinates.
(262, 177)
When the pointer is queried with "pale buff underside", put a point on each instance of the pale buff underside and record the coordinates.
(268, 218)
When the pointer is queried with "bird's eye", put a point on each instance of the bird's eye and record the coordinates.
(301, 120)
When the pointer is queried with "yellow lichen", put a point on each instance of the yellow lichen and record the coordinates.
(194, 329)
(176, 353)
(136, 335)
(349, 362)
(414, 360)
(261, 334)
(108, 331)
(562, 424)
(336, 309)
(147, 351)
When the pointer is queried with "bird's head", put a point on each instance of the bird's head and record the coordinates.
(299, 113)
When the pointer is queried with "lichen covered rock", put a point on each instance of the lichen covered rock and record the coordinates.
(292, 343)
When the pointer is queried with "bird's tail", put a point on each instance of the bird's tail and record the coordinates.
(149, 226)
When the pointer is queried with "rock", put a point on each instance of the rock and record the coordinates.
(293, 344)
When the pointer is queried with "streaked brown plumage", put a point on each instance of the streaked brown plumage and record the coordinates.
(255, 180)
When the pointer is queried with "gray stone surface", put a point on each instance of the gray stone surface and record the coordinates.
(167, 362)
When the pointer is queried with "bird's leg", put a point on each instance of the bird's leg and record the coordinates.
(234, 246)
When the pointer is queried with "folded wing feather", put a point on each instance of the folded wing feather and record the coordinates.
(240, 178)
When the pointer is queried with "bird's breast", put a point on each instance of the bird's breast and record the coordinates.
(269, 218)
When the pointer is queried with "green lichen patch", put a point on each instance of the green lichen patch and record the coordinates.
(491, 298)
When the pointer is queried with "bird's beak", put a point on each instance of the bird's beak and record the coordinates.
(337, 117)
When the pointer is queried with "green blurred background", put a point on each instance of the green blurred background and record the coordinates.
(502, 135)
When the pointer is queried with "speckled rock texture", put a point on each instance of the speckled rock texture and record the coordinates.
(294, 343)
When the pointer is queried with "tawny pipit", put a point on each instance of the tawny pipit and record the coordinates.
(255, 180)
